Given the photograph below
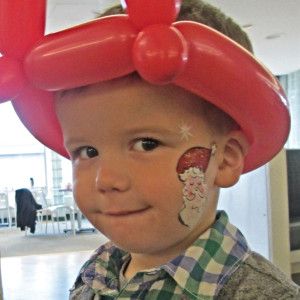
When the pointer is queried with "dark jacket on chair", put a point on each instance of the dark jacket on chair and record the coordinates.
(26, 209)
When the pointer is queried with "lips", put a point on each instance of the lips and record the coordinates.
(124, 213)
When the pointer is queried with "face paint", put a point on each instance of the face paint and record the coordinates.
(191, 171)
(185, 131)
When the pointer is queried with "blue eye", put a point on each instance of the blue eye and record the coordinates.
(87, 152)
(145, 144)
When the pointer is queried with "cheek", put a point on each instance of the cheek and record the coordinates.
(79, 193)
(82, 187)
(160, 187)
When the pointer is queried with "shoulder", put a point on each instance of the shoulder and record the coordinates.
(102, 268)
(82, 293)
(257, 278)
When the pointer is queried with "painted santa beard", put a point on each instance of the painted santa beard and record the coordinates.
(194, 186)
(193, 201)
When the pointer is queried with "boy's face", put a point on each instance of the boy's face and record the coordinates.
(125, 138)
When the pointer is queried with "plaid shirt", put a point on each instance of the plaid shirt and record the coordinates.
(198, 273)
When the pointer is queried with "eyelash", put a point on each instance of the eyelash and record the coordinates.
(152, 141)
(78, 153)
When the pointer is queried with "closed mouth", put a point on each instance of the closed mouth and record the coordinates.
(126, 213)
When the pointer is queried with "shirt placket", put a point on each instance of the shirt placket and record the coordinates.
(141, 282)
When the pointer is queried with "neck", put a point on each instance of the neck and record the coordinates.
(145, 261)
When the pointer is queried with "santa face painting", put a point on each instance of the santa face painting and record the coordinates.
(191, 171)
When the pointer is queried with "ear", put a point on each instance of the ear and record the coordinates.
(231, 158)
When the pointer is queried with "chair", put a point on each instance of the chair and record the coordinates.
(53, 210)
(4, 206)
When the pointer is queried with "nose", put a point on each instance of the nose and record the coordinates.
(112, 176)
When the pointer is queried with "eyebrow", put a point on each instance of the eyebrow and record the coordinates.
(156, 130)
(74, 141)
(146, 130)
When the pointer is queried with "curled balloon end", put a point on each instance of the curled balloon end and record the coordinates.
(12, 80)
(160, 54)
(144, 12)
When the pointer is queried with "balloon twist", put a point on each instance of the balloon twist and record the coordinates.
(146, 39)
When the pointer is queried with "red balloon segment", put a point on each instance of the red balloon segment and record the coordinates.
(22, 23)
(96, 51)
(35, 109)
(160, 53)
(12, 80)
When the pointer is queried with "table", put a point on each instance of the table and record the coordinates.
(68, 199)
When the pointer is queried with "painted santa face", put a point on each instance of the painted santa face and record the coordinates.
(194, 187)
(191, 168)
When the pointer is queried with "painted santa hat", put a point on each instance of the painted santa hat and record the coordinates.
(197, 157)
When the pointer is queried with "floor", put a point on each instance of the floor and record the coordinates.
(34, 277)
(14, 242)
(44, 276)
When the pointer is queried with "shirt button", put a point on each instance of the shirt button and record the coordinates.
(152, 273)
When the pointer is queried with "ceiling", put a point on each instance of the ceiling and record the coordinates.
(273, 25)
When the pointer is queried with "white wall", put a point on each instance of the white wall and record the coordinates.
(247, 206)
(21, 155)
(16, 171)
(258, 206)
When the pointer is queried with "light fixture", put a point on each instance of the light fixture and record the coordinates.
(274, 36)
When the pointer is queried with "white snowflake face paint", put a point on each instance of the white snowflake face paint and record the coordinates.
(185, 131)
(191, 171)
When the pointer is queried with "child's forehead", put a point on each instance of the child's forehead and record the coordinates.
(117, 107)
(130, 92)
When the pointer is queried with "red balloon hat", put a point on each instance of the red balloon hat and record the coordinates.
(203, 61)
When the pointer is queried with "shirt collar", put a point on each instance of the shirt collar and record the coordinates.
(201, 270)
(206, 265)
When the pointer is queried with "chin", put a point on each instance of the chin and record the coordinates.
(131, 244)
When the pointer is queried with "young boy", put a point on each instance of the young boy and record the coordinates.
(126, 139)
(148, 163)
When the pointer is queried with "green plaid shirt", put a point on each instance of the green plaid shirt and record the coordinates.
(198, 273)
